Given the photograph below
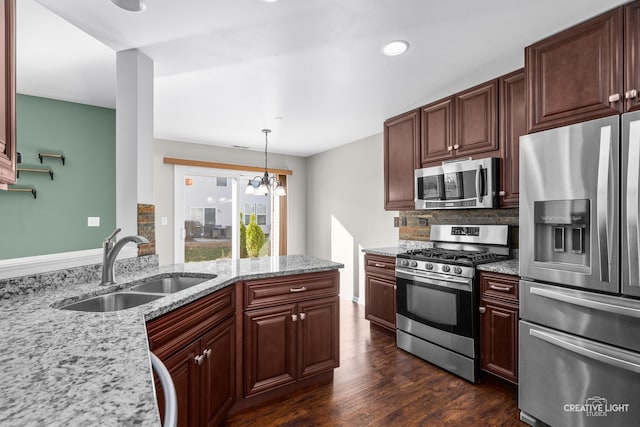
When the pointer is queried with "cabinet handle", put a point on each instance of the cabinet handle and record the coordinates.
(502, 193)
(303, 316)
(631, 94)
(294, 317)
(482, 310)
(302, 289)
(614, 97)
(455, 147)
(380, 265)
(500, 288)
(207, 353)
(450, 148)
(198, 359)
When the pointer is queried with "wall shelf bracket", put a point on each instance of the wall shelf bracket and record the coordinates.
(50, 155)
(34, 170)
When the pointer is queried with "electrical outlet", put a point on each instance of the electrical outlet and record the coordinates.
(93, 221)
(164, 220)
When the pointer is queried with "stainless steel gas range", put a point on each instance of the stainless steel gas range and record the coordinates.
(437, 294)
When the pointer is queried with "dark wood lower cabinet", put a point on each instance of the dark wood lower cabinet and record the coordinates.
(499, 313)
(380, 292)
(200, 357)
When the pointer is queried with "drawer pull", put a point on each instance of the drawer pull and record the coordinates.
(381, 265)
(500, 288)
(302, 289)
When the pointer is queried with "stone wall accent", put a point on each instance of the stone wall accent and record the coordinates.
(147, 228)
(416, 225)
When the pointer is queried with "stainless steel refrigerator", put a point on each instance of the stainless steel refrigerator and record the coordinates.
(579, 343)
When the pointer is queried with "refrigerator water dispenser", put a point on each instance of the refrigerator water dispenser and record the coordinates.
(562, 231)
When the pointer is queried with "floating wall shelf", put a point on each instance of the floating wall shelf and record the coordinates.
(23, 190)
(34, 170)
(53, 156)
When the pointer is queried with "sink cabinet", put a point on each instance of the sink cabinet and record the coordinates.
(197, 344)
(290, 333)
(499, 313)
(7, 95)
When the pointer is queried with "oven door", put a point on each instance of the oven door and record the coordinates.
(440, 301)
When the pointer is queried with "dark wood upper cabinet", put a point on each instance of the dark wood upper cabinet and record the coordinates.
(513, 124)
(460, 125)
(436, 142)
(577, 74)
(401, 158)
(7, 95)
(477, 119)
(632, 55)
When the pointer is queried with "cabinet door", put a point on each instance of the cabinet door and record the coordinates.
(380, 301)
(572, 74)
(401, 158)
(499, 338)
(318, 336)
(7, 94)
(476, 118)
(632, 56)
(269, 348)
(513, 124)
(218, 374)
(185, 373)
(436, 142)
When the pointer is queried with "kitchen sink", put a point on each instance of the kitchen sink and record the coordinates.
(112, 302)
(169, 285)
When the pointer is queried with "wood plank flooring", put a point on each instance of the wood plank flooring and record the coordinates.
(378, 384)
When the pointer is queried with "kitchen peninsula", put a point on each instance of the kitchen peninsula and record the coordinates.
(62, 366)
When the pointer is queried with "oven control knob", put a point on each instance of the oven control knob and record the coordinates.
(404, 262)
(414, 263)
(428, 266)
(457, 270)
(446, 268)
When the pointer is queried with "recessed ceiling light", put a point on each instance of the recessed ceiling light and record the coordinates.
(270, 1)
(396, 47)
(131, 5)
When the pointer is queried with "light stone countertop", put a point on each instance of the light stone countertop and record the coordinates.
(63, 367)
(391, 251)
(510, 266)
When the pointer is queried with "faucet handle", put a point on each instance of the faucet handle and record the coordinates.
(113, 235)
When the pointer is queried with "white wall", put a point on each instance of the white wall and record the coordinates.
(163, 188)
(345, 207)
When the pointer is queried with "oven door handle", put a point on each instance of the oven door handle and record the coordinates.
(451, 283)
(598, 353)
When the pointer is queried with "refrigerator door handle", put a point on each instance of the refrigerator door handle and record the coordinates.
(604, 175)
(633, 181)
(587, 303)
(586, 351)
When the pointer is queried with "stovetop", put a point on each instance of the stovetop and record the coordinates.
(453, 256)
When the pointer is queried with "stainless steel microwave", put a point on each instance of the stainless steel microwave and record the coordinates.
(460, 184)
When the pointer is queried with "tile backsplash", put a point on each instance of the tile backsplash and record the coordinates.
(416, 225)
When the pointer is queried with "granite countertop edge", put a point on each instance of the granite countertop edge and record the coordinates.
(510, 266)
(62, 366)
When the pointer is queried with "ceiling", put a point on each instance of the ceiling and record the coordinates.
(310, 70)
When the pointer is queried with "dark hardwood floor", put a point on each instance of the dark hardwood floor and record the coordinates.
(378, 384)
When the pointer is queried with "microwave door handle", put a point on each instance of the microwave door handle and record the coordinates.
(479, 184)
(633, 182)
(604, 172)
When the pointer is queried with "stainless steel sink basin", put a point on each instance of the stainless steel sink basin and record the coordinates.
(112, 302)
(169, 285)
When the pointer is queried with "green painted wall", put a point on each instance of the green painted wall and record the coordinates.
(56, 221)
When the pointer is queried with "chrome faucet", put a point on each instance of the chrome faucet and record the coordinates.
(110, 253)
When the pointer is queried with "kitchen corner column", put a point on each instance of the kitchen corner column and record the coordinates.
(134, 136)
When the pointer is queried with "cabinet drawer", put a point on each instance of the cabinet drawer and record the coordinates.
(171, 331)
(277, 290)
(381, 264)
(499, 285)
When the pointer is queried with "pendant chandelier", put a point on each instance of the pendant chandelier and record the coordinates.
(261, 185)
